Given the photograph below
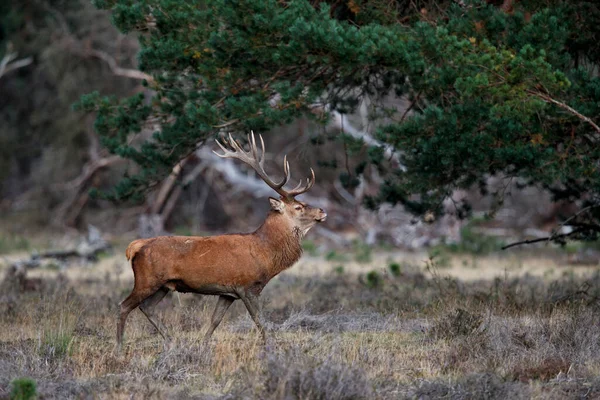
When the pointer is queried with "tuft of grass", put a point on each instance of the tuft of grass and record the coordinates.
(362, 252)
(291, 375)
(335, 256)
(544, 370)
(104, 254)
(23, 389)
(310, 247)
(56, 344)
(440, 255)
(13, 243)
(459, 322)
(58, 333)
(339, 269)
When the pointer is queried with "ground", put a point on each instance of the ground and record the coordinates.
(347, 324)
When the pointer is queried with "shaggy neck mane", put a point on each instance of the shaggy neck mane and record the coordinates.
(283, 239)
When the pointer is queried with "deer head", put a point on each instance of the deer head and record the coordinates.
(299, 215)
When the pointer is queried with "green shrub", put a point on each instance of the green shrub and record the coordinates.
(395, 269)
(471, 242)
(23, 389)
(373, 279)
(474, 242)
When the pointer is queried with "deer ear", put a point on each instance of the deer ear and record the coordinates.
(276, 205)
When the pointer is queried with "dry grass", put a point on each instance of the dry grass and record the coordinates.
(334, 335)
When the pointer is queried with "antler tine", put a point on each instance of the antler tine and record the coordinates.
(233, 149)
(286, 171)
(222, 148)
(227, 151)
(262, 156)
(298, 190)
(253, 149)
(312, 179)
(298, 186)
(235, 145)
(258, 156)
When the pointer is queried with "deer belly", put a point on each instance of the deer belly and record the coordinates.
(209, 289)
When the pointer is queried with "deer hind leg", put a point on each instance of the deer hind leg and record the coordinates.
(252, 305)
(129, 304)
(220, 309)
(148, 307)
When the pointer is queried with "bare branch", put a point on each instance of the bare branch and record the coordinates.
(344, 193)
(7, 64)
(564, 106)
(112, 63)
(75, 193)
(544, 239)
(338, 121)
(167, 186)
(577, 214)
(88, 170)
(76, 46)
(507, 6)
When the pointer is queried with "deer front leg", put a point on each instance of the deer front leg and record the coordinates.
(252, 305)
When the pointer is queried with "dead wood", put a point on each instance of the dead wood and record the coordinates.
(88, 250)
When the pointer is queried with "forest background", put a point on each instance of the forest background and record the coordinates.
(407, 112)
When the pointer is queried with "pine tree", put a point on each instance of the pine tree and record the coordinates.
(493, 91)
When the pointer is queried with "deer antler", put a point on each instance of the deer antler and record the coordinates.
(256, 160)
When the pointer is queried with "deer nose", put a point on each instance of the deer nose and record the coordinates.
(322, 216)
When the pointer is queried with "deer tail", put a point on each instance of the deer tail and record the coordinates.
(133, 248)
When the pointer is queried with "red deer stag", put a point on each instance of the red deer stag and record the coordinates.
(233, 266)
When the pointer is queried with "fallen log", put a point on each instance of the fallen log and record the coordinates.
(88, 250)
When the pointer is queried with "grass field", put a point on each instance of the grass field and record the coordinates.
(342, 326)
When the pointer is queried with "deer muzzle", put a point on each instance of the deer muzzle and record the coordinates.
(322, 216)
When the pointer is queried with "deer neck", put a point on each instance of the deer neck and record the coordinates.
(282, 240)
